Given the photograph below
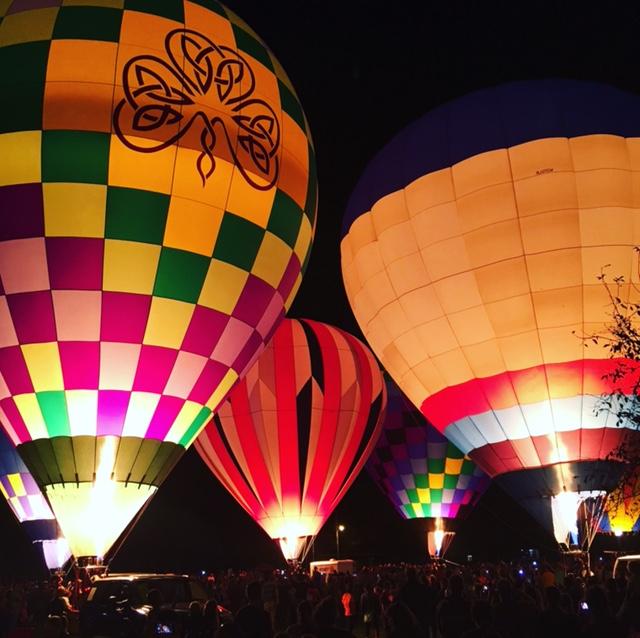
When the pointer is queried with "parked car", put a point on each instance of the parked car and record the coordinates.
(117, 605)
(620, 566)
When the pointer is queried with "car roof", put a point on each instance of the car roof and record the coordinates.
(629, 557)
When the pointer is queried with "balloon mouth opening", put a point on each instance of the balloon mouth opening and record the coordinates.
(294, 548)
(565, 512)
(92, 515)
(438, 540)
(438, 536)
(293, 532)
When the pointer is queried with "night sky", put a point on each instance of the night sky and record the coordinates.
(363, 70)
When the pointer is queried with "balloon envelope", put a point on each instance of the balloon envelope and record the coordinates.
(622, 510)
(471, 252)
(158, 187)
(29, 505)
(296, 431)
(56, 552)
(420, 472)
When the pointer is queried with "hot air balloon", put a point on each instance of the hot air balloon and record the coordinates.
(420, 472)
(158, 187)
(622, 509)
(296, 431)
(470, 254)
(29, 506)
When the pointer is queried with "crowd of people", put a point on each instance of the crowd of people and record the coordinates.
(434, 600)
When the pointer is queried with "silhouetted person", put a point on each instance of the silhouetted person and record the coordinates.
(39, 606)
(515, 612)
(304, 624)
(153, 604)
(195, 621)
(54, 627)
(252, 621)
(401, 621)
(629, 612)
(325, 619)
(416, 596)
(371, 609)
(547, 576)
(210, 619)
(228, 630)
(600, 621)
(554, 621)
(61, 607)
(270, 597)
(348, 608)
(454, 612)
(482, 616)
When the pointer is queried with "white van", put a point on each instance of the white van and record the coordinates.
(332, 566)
(620, 566)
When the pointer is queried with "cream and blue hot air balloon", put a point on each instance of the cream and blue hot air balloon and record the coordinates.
(471, 254)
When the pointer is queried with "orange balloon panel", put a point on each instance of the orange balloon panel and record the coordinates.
(470, 256)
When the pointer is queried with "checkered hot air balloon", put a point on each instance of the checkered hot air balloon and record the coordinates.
(157, 183)
(422, 473)
(297, 430)
(471, 252)
(29, 505)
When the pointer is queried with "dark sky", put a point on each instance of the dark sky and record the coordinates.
(363, 70)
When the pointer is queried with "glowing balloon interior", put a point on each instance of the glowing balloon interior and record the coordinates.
(565, 511)
(439, 540)
(420, 472)
(297, 429)
(471, 252)
(158, 184)
(293, 547)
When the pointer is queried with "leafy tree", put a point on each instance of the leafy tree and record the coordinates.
(621, 338)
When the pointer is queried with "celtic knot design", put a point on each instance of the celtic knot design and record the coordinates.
(164, 101)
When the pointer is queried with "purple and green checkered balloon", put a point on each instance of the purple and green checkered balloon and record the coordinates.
(158, 198)
(29, 506)
(422, 473)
